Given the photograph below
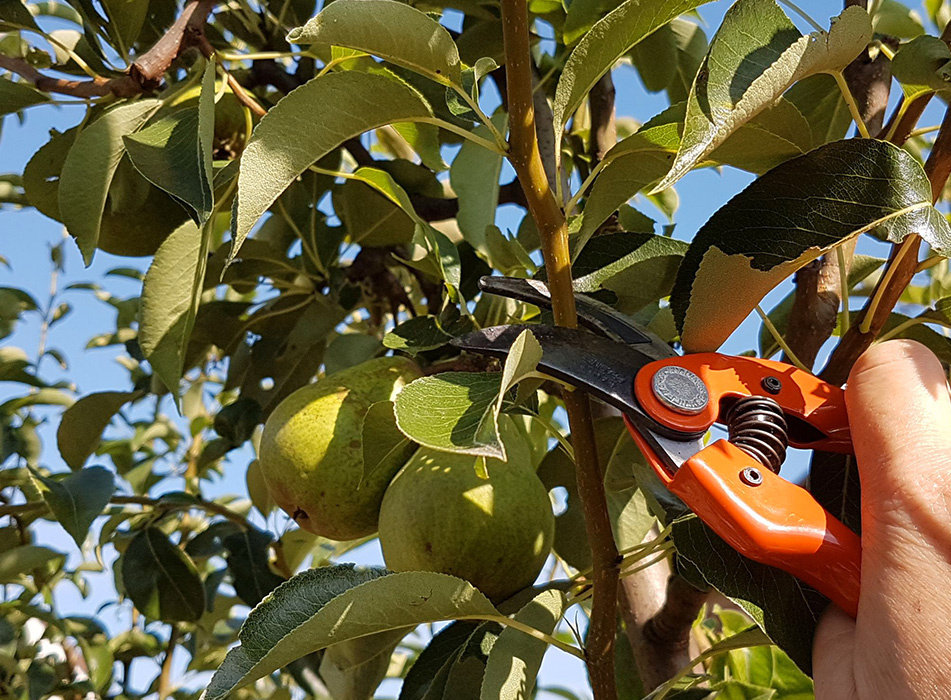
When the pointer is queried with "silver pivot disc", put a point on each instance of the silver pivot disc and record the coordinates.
(680, 390)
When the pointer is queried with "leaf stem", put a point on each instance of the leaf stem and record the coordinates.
(910, 242)
(850, 101)
(802, 13)
(843, 287)
(525, 158)
(780, 341)
(466, 134)
(474, 106)
(901, 328)
(537, 634)
(165, 677)
(930, 262)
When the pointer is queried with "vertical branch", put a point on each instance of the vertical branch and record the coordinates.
(603, 119)
(553, 232)
(902, 264)
(165, 677)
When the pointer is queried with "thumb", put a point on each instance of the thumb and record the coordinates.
(900, 415)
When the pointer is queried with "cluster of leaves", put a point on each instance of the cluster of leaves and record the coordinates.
(331, 230)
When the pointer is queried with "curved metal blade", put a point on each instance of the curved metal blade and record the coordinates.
(592, 314)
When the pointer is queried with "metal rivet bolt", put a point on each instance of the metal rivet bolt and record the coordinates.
(771, 385)
(680, 390)
(751, 476)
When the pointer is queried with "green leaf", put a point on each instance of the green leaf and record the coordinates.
(77, 500)
(755, 56)
(334, 604)
(821, 200)
(515, 657)
(474, 176)
(126, 18)
(417, 335)
(171, 293)
(607, 41)
(391, 30)
(382, 440)
(638, 267)
(14, 14)
(582, 15)
(288, 140)
(923, 65)
(160, 579)
(350, 349)
(453, 412)
(353, 670)
(821, 104)
(521, 362)
(81, 426)
(248, 555)
(896, 19)
(785, 608)
(174, 153)
(444, 645)
(90, 166)
(23, 560)
(17, 96)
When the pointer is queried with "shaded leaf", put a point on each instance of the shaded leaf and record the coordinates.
(171, 293)
(160, 579)
(784, 607)
(287, 140)
(326, 606)
(90, 166)
(522, 360)
(23, 560)
(17, 96)
(126, 18)
(248, 554)
(417, 335)
(454, 412)
(820, 200)
(821, 104)
(604, 44)
(515, 658)
(392, 30)
(81, 426)
(755, 56)
(923, 65)
(383, 443)
(352, 670)
(77, 500)
(174, 153)
(474, 176)
(444, 645)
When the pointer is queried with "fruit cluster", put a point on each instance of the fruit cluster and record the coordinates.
(432, 509)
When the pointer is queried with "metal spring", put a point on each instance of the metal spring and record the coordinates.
(758, 427)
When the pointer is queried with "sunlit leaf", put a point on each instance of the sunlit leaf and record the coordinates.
(755, 56)
(820, 200)
(392, 30)
(326, 606)
(81, 426)
(89, 167)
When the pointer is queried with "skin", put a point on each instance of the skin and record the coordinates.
(898, 647)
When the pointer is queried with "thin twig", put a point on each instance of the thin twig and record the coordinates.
(165, 677)
(553, 233)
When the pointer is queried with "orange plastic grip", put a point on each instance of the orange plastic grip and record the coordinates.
(775, 522)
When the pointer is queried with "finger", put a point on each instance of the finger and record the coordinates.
(833, 654)
(900, 415)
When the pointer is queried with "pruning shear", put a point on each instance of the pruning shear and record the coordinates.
(669, 401)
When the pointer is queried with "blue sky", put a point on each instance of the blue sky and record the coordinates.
(27, 236)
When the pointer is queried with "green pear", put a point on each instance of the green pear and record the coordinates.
(440, 515)
(312, 449)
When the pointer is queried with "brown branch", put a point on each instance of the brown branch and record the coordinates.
(145, 73)
(553, 234)
(901, 267)
(812, 318)
(658, 609)
(603, 119)
(165, 677)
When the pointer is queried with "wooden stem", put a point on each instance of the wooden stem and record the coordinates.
(553, 232)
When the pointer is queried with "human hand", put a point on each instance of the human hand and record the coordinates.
(899, 646)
